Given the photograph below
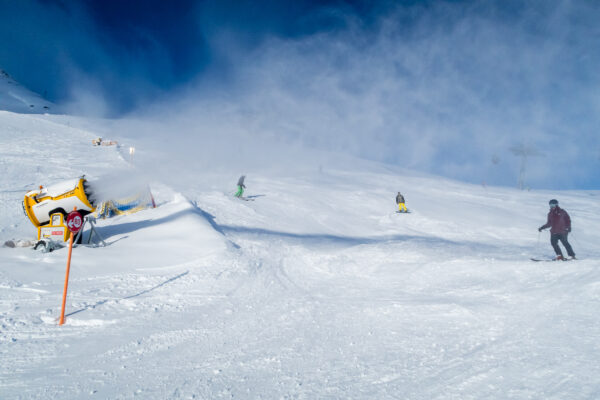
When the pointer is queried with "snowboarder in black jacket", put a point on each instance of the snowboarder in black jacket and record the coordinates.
(400, 202)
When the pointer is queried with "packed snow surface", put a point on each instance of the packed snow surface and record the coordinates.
(315, 288)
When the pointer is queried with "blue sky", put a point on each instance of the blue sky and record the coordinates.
(135, 50)
(442, 86)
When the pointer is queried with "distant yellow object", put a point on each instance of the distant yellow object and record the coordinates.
(39, 205)
(101, 142)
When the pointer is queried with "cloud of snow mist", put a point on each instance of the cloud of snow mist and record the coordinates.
(446, 88)
(120, 184)
(58, 50)
(41, 39)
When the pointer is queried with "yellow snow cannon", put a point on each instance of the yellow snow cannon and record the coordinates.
(39, 205)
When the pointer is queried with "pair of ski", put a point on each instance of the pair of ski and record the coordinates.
(551, 259)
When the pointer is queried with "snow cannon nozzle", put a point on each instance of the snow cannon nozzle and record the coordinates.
(89, 193)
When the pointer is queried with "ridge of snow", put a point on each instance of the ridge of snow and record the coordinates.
(16, 98)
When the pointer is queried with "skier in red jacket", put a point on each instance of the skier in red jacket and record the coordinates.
(559, 223)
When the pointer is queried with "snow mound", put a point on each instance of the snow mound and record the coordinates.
(175, 228)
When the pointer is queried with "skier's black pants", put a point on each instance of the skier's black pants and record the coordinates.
(555, 237)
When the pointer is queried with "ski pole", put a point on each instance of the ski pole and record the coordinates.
(537, 246)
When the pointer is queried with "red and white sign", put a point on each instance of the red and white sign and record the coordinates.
(52, 232)
(74, 221)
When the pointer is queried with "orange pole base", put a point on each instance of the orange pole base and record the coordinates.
(64, 299)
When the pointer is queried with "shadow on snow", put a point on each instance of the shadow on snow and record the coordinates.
(99, 303)
(307, 238)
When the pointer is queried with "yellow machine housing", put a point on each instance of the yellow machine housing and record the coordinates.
(43, 204)
(56, 229)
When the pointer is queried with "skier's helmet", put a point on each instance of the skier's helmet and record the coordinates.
(553, 203)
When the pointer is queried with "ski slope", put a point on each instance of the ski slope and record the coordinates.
(16, 98)
(316, 289)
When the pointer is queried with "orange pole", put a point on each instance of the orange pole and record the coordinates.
(64, 300)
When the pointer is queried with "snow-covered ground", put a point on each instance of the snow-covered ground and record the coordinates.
(316, 289)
